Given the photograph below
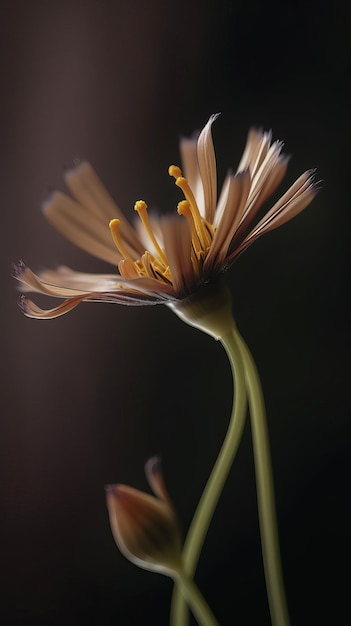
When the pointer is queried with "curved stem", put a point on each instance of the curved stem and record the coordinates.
(265, 491)
(208, 501)
(195, 600)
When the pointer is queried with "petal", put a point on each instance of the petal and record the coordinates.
(267, 179)
(177, 242)
(238, 188)
(124, 296)
(50, 283)
(84, 230)
(85, 282)
(155, 479)
(188, 152)
(89, 191)
(256, 148)
(297, 198)
(208, 170)
(108, 284)
(30, 309)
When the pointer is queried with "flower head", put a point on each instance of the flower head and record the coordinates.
(145, 527)
(169, 258)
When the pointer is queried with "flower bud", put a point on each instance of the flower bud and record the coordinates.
(145, 527)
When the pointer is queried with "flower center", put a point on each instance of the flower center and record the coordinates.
(156, 265)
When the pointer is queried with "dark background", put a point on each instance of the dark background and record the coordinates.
(87, 398)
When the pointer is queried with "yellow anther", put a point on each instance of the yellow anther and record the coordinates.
(198, 220)
(184, 207)
(140, 205)
(174, 171)
(184, 185)
(141, 208)
(116, 236)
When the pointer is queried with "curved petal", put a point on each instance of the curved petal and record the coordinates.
(89, 191)
(190, 165)
(30, 282)
(30, 309)
(208, 170)
(124, 296)
(236, 197)
(265, 183)
(257, 145)
(297, 198)
(153, 471)
(85, 231)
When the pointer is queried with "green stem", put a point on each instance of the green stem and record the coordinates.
(265, 491)
(195, 600)
(209, 499)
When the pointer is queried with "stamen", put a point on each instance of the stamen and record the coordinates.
(175, 171)
(116, 236)
(203, 235)
(141, 208)
(185, 209)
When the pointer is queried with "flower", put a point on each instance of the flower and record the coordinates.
(169, 258)
(145, 527)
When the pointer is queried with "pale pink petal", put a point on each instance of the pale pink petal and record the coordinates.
(188, 152)
(293, 202)
(270, 179)
(256, 148)
(123, 296)
(266, 184)
(109, 283)
(297, 198)
(79, 282)
(30, 309)
(87, 188)
(86, 282)
(84, 230)
(222, 200)
(30, 282)
(262, 173)
(177, 241)
(236, 197)
(208, 170)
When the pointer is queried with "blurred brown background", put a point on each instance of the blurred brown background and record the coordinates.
(87, 398)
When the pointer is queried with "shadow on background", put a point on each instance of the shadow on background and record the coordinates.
(87, 398)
